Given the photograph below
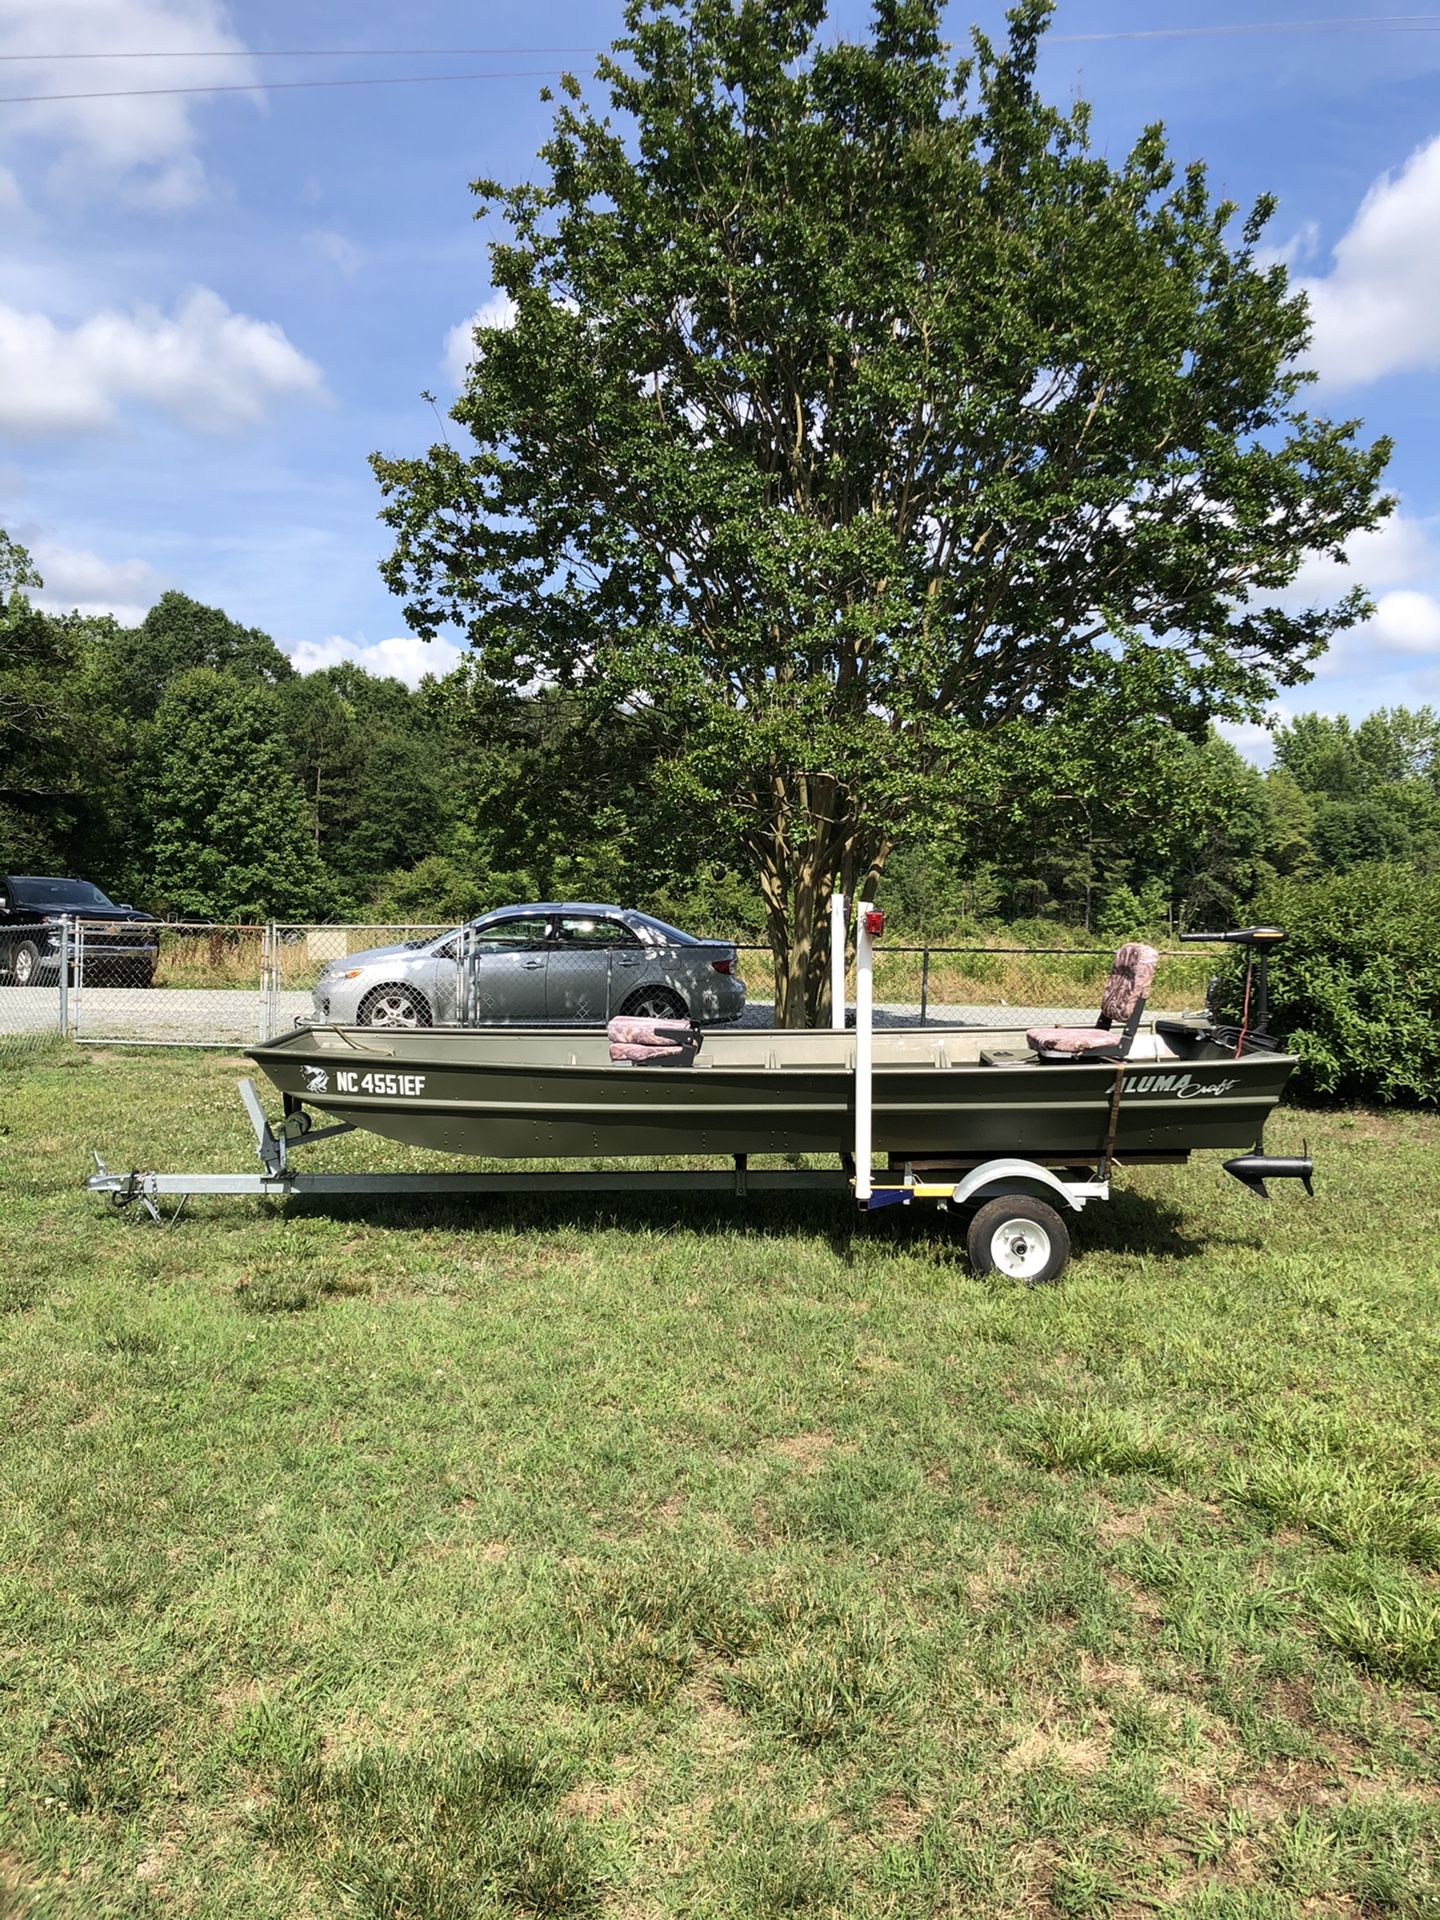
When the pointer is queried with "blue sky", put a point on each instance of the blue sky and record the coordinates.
(214, 307)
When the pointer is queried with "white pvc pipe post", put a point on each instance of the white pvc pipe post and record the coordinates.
(837, 962)
(864, 1050)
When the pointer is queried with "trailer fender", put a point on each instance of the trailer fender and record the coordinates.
(998, 1177)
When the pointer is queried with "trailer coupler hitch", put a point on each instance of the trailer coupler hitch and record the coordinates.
(124, 1189)
(1252, 1170)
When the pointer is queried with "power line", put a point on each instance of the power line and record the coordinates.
(1384, 23)
(1358, 23)
(277, 86)
(1347, 23)
(293, 53)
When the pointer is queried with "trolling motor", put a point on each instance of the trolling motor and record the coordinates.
(1253, 1169)
(1259, 943)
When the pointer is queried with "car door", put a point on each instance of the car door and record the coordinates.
(594, 964)
(440, 981)
(503, 964)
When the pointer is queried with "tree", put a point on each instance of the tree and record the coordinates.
(1374, 788)
(856, 410)
(178, 634)
(231, 837)
(40, 726)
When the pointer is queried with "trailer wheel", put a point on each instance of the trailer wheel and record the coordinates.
(1022, 1238)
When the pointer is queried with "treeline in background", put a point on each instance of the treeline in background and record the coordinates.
(186, 765)
(183, 764)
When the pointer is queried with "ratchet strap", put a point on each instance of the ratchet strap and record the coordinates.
(1114, 1120)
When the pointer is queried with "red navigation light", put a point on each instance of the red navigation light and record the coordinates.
(874, 923)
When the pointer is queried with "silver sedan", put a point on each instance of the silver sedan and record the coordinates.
(568, 961)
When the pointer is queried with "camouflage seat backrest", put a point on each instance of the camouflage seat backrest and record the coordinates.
(1129, 982)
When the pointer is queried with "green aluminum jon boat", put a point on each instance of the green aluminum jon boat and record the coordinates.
(938, 1094)
(1009, 1132)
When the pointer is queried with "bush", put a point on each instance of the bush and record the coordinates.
(1355, 990)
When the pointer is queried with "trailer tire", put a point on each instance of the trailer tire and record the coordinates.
(1018, 1237)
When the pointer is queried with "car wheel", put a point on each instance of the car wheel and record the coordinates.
(394, 1007)
(655, 1003)
(26, 964)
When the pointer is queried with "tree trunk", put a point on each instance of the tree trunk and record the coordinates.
(809, 842)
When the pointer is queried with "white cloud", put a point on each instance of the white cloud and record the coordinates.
(1378, 309)
(459, 354)
(1302, 245)
(342, 254)
(1406, 622)
(141, 149)
(1397, 553)
(78, 580)
(402, 658)
(210, 367)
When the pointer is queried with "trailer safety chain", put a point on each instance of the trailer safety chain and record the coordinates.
(144, 1187)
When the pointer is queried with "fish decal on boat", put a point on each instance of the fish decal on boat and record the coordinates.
(317, 1079)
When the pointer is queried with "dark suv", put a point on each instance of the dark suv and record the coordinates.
(119, 943)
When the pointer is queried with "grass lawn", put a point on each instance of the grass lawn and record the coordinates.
(574, 1558)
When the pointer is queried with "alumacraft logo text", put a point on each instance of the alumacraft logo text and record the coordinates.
(1184, 1086)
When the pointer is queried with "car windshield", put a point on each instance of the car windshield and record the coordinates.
(31, 892)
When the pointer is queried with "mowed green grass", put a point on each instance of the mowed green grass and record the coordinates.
(435, 1561)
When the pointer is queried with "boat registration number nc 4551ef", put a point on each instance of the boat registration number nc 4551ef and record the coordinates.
(404, 1086)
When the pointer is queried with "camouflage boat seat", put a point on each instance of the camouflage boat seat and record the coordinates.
(1121, 1006)
(654, 1043)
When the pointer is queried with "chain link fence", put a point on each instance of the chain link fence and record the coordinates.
(178, 984)
(35, 970)
(1011, 986)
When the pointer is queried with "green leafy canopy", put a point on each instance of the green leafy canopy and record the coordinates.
(856, 413)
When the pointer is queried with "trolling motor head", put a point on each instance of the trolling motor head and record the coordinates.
(1259, 943)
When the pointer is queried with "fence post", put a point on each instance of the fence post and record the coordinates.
(75, 1009)
(267, 969)
(924, 982)
(64, 976)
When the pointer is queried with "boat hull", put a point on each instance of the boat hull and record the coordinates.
(538, 1094)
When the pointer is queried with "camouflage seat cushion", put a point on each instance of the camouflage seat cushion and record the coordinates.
(653, 1042)
(1070, 1039)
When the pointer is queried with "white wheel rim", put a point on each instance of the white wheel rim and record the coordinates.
(23, 964)
(394, 1010)
(1020, 1248)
